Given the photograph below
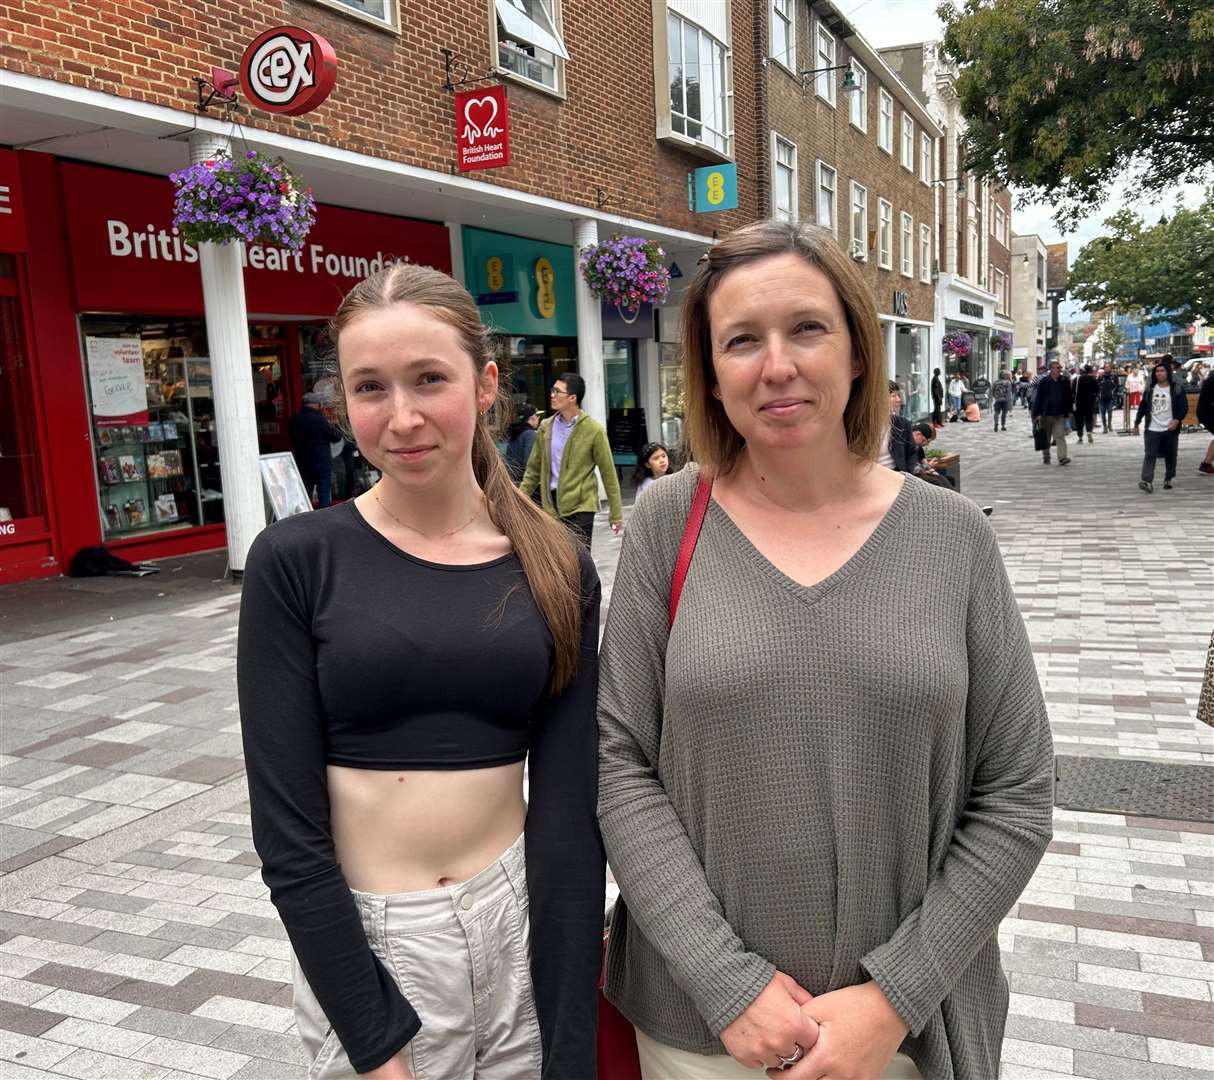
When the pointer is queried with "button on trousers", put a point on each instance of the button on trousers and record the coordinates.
(462, 956)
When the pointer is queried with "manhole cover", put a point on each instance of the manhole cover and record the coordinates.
(1146, 788)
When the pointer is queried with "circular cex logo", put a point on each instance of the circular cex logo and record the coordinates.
(288, 70)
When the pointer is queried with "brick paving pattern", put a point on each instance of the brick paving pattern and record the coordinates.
(137, 941)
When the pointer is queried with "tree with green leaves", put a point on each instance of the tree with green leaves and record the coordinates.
(1109, 339)
(1063, 97)
(1165, 271)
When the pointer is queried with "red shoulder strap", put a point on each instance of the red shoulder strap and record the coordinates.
(687, 546)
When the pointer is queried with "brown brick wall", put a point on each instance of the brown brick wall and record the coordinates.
(821, 132)
(388, 101)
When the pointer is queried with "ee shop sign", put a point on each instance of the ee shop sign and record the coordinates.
(288, 70)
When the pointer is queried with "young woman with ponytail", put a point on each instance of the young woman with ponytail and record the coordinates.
(401, 656)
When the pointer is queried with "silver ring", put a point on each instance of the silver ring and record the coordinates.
(797, 1054)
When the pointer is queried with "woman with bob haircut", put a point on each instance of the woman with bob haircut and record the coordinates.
(815, 836)
(400, 657)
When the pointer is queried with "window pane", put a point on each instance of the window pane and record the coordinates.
(691, 67)
(674, 55)
(709, 90)
(376, 8)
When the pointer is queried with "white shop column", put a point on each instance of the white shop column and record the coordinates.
(891, 348)
(589, 325)
(231, 380)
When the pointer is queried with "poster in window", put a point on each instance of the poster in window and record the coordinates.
(116, 381)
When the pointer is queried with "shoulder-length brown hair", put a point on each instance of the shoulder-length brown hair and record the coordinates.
(543, 544)
(713, 441)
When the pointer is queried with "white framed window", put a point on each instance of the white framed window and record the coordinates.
(784, 33)
(908, 142)
(885, 234)
(1000, 224)
(925, 253)
(859, 221)
(529, 44)
(698, 66)
(783, 178)
(825, 197)
(999, 288)
(908, 245)
(383, 13)
(885, 122)
(971, 188)
(925, 157)
(857, 106)
(824, 57)
(973, 271)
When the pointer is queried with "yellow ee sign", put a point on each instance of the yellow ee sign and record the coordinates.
(712, 188)
(545, 292)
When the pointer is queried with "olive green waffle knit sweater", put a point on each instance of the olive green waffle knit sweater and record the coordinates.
(845, 781)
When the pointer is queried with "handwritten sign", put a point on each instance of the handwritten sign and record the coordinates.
(120, 397)
(482, 128)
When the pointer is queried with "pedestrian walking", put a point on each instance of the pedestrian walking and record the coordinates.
(400, 657)
(568, 449)
(1052, 405)
(653, 464)
(313, 440)
(776, 830)
(1205, 416)
(1002, 391)
(1022, 389)
(522, 438)
(1107, 395)
(1163, 408)
(1135, 383)
(1087, 393)
(937, 399)
(956, 391)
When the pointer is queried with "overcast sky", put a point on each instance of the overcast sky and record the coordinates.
(899, 22)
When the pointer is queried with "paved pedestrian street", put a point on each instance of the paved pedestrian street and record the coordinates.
(137, 941)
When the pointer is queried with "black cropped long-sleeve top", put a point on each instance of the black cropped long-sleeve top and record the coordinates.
(353, 652)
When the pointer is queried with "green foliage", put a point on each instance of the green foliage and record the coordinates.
(1109, 340)
(1165, 270)
(1062, 97)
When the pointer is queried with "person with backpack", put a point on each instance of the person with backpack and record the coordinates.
(1002, 391)
(1107, 396)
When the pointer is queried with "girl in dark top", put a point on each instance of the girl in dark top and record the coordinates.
(400, 657)
(653, 464)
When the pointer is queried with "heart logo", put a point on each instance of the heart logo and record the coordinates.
(479, 114)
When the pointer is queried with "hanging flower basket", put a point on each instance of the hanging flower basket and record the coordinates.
(252, 198)
(958, 344)
(1001, 342)
(627, 271)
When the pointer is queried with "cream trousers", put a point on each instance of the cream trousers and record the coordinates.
(662, 1062)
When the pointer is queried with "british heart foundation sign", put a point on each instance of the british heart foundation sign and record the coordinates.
(482, 128)
(288, 70)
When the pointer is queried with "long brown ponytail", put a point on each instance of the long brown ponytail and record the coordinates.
(543, 545)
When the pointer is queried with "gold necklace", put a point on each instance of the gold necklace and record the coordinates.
(411, 528)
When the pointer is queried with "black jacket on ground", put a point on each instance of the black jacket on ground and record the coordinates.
(1180, 405)
(1053, 398)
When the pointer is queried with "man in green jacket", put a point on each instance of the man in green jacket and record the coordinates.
(568, 448)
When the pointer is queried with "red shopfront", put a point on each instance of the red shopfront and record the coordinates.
(106, 422)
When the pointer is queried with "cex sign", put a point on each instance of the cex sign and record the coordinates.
(288, 70)
(482, 127)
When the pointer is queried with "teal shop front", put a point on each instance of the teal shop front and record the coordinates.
(525, 291)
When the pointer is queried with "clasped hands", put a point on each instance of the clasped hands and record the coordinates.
(848, 1034)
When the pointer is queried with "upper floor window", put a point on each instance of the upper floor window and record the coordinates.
(858, 98)
(1000, 218)
(971, 188)
(908, 142)
(925, 253)
(908, 245)
(925, 157)
(699, 83)
(529, 43)
(824, 57)
(379, 11)
(885, 234)
(825, 198)
(783, 178)
(885, 122)
(784, 33)
(859, 221)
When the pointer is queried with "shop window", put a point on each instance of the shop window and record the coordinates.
(670, 386)
(698, 69)
(529, 41)
(21, 489)
(153, 419)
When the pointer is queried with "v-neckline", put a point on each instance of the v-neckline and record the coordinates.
(812, 593)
